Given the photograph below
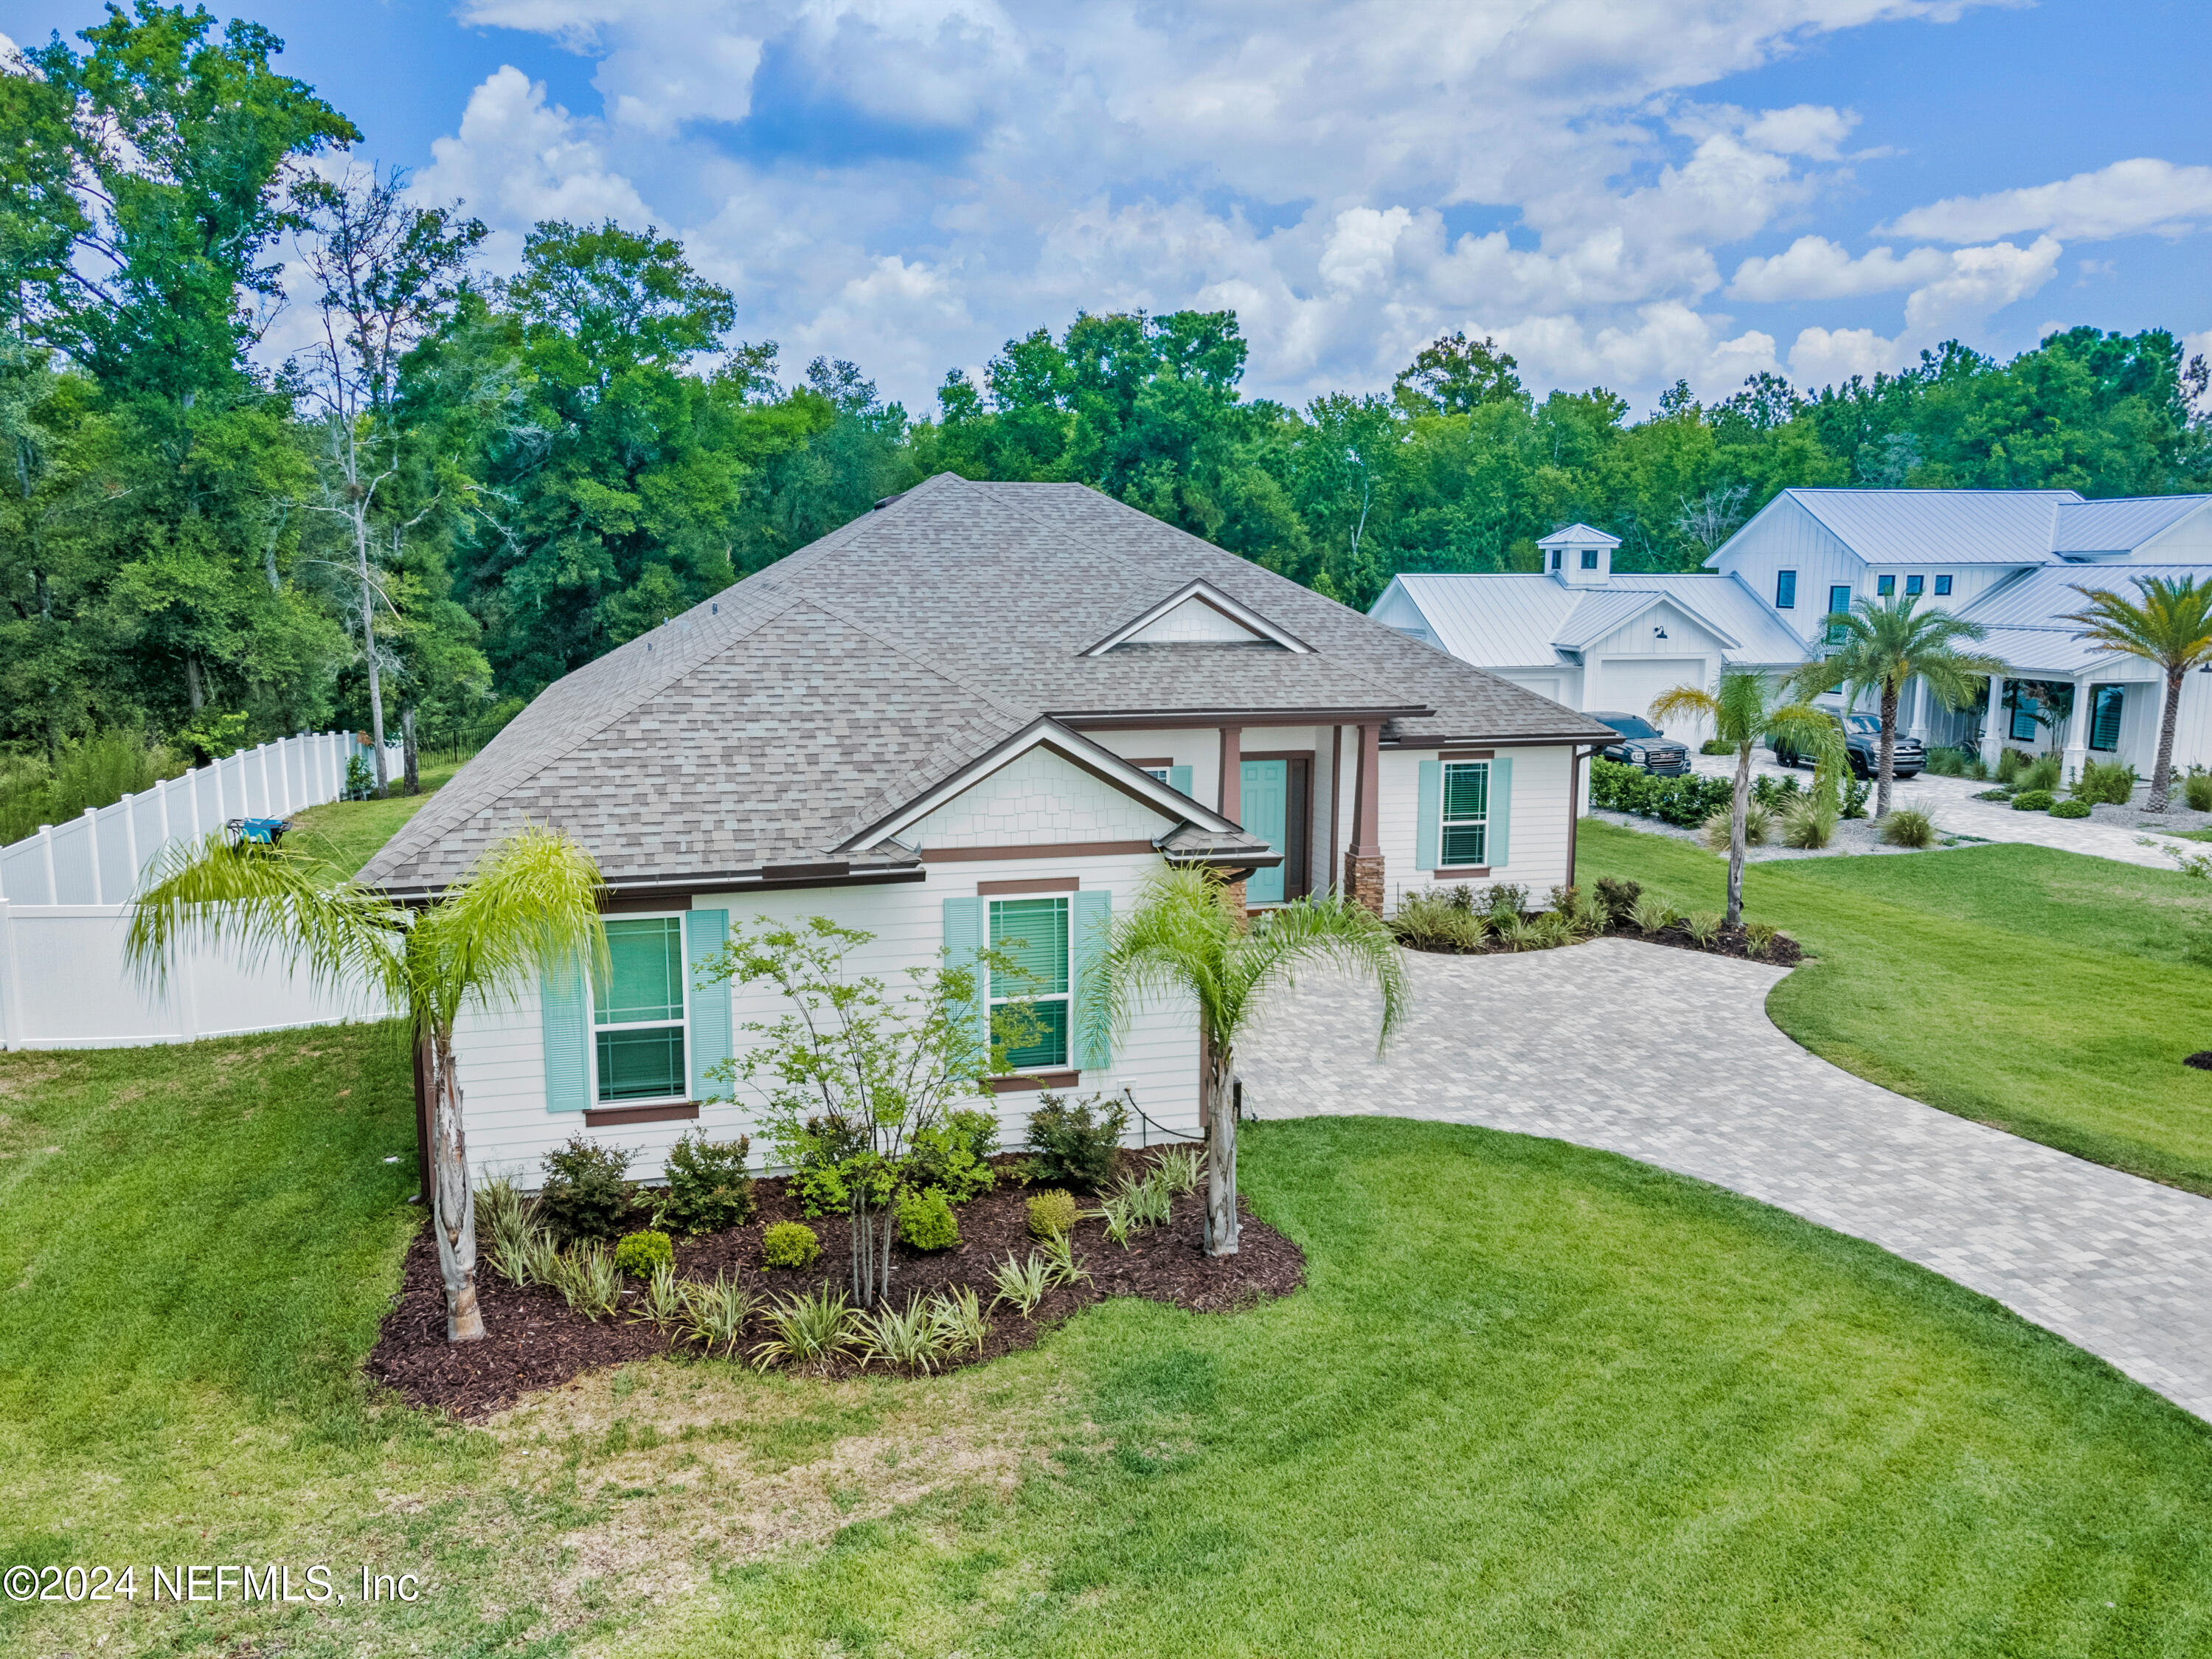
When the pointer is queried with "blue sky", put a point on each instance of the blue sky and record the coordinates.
(1623, 192)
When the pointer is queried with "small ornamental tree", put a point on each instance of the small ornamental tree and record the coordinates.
(857, 1085)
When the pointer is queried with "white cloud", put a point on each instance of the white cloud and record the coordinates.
(1814, 268)
(1976, 282)
(2124, 199)
(909, 182)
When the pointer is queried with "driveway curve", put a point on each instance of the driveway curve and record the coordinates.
(1707, 1086)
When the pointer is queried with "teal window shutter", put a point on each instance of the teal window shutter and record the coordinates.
(1093, 1046)
(1430, 818)
(963, 941)
(704, 931)
(567, 1032)
(1501, 810)
(1179, 779)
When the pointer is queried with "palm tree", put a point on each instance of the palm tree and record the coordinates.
(532, 900)
(1747, 708)
(1187, 937)
(2171, 626)
(1879, 644)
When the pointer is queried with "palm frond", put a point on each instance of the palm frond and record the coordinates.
(2170, 622)
(267, 903)
(1683, 701)
(1175, 940)
(1329, 931)
(532, 898)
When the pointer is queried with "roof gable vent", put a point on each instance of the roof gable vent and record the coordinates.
(1199, 614)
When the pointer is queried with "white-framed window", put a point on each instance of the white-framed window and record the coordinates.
(640, 1029)
(1464, 839)
(1159, 772)
(1034, 933)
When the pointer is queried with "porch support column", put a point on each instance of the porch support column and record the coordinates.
(1363, 862)
(1993, 725)
(1232, 798)
(2077, 733)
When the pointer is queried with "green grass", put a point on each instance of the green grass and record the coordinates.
(347, 834)
(1534, 1400)
(2047, 993)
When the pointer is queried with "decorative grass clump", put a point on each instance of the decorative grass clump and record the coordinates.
(1908, 826)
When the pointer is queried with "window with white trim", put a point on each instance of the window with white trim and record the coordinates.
(1033, 934)
(1159, 772)
(1464, 837)
(638, 1018)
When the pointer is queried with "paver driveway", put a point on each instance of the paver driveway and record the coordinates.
(1667, 1056)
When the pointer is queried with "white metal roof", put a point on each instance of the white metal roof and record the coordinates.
(2119, 525)
(1516, 621)
(1579, 535)
(1941, 526)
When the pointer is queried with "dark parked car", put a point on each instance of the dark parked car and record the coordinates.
(1862, 743)
(1643, 744)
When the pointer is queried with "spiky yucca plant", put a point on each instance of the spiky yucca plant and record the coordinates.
(532, 899)
(1186, 937)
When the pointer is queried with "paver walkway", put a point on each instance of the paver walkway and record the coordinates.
(1707, 1086)
(1951, 803)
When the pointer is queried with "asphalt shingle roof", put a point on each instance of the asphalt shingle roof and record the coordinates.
(769, 725)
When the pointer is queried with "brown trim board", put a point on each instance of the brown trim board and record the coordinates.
(1067, 850)
(1041, 885)
(608, 1117)
(1467, 873)
(1033, 1081)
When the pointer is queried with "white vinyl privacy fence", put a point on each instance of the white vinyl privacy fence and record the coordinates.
(64, 910)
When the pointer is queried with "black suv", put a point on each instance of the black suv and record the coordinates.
(1862, 743)
(1643, 744)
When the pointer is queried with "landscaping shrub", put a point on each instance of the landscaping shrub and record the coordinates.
(958, 1319)
(1502, 899)
(953, 1156)
(1620, 898)
(2042, 773)
(2011, 762)
(790, 1244)
(908, 1336)
(1946, 762)
(1431, 920)
(1705, 926)
(585, 1195)
(2112, 782)
(715, 1315)
(1022, 1283)
(1855, 791)
(2071, 809)
(1908, 826)
(588, 1280)
(1759, 937)
(663, 1303)
(1809, 823)
(1774, 793)
(710, 1186)
(1654, 914)
(809, 1330)
(2033, 800)
(1078, 1143)
(1057, 1255)
(1575, 914)
(2196, 791)
(927, 1221)
(1756, 823)
(1715, 746)
(1998, 794)
(640, 1253)
(1051, 1213)
(1687, 801)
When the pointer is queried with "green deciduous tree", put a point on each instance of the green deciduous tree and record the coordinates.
(2169, 622)
(532, 900)
(1187, 940)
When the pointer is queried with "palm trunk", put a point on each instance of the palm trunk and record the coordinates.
(1739, 816)
(2162, 776)
(1887, 768)
(454, 1204)
(1220, 1153)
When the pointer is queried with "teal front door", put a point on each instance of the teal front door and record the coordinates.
(1266, 810)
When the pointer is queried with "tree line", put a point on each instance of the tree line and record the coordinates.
(462, 486)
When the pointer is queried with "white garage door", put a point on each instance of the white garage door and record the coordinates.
(1629, 684)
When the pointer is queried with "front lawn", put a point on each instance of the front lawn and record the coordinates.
(2047, 993)
(1534, 1399)
(349, 833)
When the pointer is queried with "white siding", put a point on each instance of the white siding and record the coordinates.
(502, 1056)
(1197, 747)
(1785, 536)
(1037, 799)
(1537, 840)
(1193, 622)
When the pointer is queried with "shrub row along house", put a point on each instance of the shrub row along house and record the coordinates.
(2011, 560)
(981, 713)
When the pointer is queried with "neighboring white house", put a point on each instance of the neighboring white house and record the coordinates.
(983, 712)
(2012, 559)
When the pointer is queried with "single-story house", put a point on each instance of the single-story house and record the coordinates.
(983, 712)
(2013, 561)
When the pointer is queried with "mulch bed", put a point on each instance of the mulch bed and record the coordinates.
(1783, 952)
(2202, 1059)
(533, 1339)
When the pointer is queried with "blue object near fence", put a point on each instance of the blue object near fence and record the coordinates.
(267, 831)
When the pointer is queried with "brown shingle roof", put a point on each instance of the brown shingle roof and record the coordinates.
(770, 724)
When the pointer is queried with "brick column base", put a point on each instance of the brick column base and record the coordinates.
(1362, 880)
(1234, 894)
